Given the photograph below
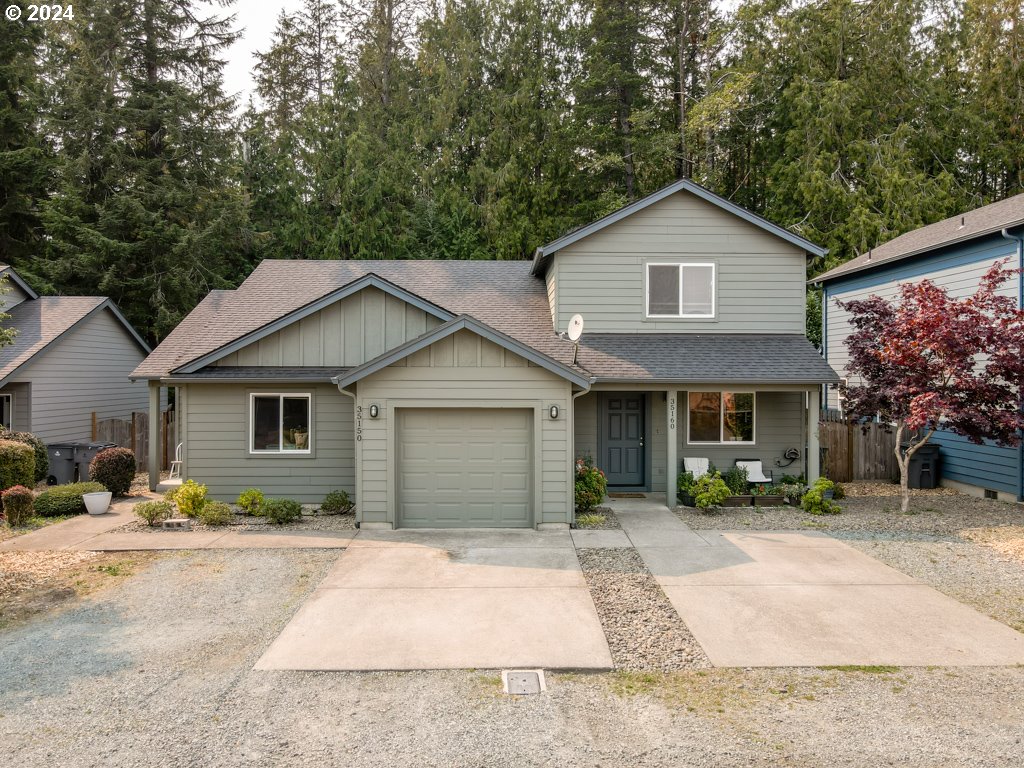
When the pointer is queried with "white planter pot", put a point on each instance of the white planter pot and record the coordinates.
(97, 503)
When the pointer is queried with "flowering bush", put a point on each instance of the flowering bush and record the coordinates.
(591, 485)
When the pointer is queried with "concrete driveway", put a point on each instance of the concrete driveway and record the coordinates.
(441, 600)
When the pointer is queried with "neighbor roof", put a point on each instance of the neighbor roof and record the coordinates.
(42, 321)
(692, 358)
(542, 256)
(7, 271)
(987, 220)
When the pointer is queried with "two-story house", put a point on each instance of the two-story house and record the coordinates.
(953, 254)
(446, 393)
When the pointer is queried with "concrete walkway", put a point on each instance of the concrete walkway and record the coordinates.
(71, 534)
(805, 599)
(402, 600)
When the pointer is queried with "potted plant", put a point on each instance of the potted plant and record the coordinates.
(791, 492)
(767, 496)
(97, 503)
(735, 479)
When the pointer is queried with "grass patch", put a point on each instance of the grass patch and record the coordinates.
(589, 520)
(814, 524)
(869, 669)
(32, 524)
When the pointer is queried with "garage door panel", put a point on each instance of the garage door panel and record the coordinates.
(464, 467)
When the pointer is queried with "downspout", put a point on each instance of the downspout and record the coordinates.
(1019, 240)
(572, 453)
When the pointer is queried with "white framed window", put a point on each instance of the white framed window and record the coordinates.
(681, 290)
(7, 410)
(722, 418)
(280, 423)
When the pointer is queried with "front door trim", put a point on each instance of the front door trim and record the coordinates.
(602, 404)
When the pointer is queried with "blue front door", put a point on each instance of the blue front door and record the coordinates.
(622, 438)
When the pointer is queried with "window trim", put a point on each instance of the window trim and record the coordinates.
(308, 450)
(679, 265)
(721, 418)
(10, 410)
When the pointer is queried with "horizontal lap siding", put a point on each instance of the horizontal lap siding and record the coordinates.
(21, 394)
(217, 432)
(450, 373)
(347, 333)
(945, 270)
(760, 278)
(86, 371)
(987, 466)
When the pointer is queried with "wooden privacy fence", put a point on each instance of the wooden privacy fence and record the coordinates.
(855, 451)
(134, 433)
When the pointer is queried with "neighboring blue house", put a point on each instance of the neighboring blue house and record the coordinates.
(954, 254)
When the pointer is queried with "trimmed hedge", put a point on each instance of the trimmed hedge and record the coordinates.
(65, 499)
(42, 457)
(17, 464)
(18, 505)
(114, 468)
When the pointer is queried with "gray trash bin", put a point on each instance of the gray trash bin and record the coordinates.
(84, 454)
(925, 467)
(62, 463)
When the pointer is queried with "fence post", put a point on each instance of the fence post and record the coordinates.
(93, 438)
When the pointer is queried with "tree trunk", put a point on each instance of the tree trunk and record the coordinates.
(625, 130)
(903, 461)
(682, 57)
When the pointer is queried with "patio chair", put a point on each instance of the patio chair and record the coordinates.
(696, 467)
(755, 471)
(176, 464)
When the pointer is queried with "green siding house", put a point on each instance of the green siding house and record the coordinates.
(447, 394)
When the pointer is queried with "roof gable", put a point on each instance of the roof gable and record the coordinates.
(542, 256)
(8, 272)
(354, 287)
(462, 322)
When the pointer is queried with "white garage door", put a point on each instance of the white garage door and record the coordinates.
(464, 468)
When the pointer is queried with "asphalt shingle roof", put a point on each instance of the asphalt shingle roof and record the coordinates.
(39, 322)
(981, 221)
(501, 294)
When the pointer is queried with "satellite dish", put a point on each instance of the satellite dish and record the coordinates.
(575, 329)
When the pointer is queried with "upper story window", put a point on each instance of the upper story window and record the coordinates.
(680, 290)
(279, 423)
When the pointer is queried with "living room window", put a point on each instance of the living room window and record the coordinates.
(721, 417)
(280, 423)
(681, 290)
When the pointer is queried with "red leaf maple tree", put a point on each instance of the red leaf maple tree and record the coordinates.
(927, 360)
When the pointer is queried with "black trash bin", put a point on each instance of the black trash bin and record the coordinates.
(62, 463)
(925, 466)
(84, 454)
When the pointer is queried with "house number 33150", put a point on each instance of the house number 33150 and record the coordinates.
(359, 423)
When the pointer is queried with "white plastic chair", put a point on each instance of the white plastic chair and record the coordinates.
(697, 467)
(176, 464)
(755, 471)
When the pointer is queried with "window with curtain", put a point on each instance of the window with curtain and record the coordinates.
(280, 423)
(681, 290)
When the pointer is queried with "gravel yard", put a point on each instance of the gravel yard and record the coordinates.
(643, 630)
(252, 523)
(594, 521)
(155, 672)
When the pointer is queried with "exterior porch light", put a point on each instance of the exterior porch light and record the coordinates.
(374, 411)
(553, 411)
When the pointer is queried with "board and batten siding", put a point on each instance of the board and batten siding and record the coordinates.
(462, 371)
(347, 333)
(759, 277)
(217, 428)
(780, 424)
(84, 371)
(959, 271)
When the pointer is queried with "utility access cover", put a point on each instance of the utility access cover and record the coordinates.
(522, 682)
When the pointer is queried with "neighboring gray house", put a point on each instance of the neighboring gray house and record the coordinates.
(954, 254)
(70, 358)
(441, 393)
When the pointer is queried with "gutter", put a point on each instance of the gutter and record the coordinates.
(572, 453)
(1019, 240)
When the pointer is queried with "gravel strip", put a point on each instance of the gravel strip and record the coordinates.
(22, 571)
(644, 631)
(250, 523)
(611, 522)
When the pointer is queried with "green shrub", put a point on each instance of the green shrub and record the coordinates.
(38, 446)
(65, 499)
(250, 501)
(591, 485)
(736, 480)
(790, 490)
(814, 501)
(839, 491)
(19, 503)
(710, 491)
(684, 485)
(169, 494)
(17, 464)
(115, 468)
(281, 511)
(215, 513)
(337, 503)
(153, 512)
(190, 498)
